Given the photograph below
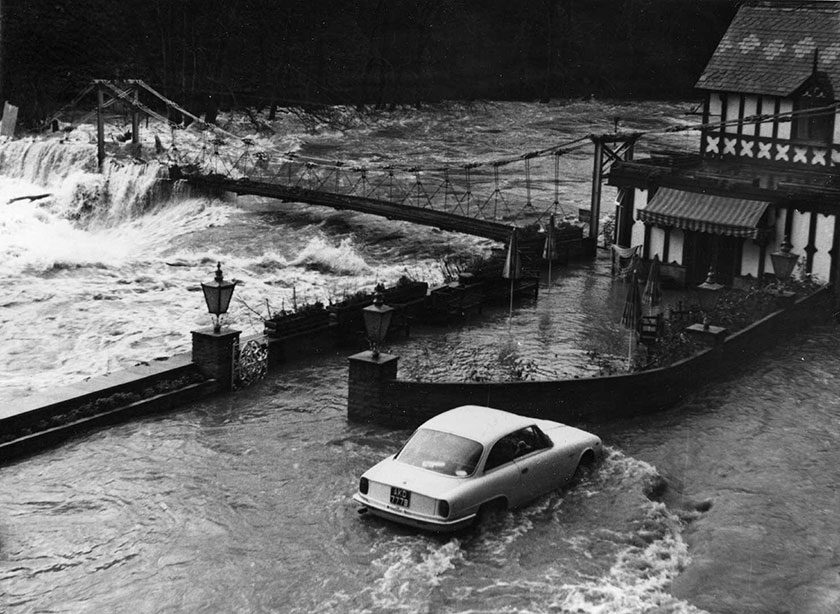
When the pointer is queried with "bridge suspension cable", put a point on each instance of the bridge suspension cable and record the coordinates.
(475, 189)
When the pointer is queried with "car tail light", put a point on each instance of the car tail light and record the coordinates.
(443, 509)
(363, 486)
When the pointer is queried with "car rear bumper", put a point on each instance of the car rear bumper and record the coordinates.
(437, 525)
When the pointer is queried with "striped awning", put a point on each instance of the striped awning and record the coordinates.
(721, 215)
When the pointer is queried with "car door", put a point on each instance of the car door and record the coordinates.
(501, 475)
(537, 467)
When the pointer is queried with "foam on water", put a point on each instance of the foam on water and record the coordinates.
(343, 259)
(598, 568)
(615, 552)
(45, 162)
(38, 239)
(410, 576)
(129, 190)
(648, 554)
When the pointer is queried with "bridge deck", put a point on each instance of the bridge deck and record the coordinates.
(497, 231)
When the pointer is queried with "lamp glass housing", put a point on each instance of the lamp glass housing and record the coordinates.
(783, 264)
(217, 295)
(783, 260)
(377, 320)
(709, 291)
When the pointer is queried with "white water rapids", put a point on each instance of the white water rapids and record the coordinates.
(242, 503)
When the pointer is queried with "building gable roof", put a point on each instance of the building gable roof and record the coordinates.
(769, 48)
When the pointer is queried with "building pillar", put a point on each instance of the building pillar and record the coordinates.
(215, 355)
(625, 218)
(369, 377)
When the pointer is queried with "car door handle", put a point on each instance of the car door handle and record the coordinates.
(525, 470)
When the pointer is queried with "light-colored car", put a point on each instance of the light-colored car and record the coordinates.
(470, 460)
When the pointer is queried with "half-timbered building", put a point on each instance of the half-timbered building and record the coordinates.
(768, 169)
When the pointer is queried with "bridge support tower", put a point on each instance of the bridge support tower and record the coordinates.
(134, 101)
(611, 148)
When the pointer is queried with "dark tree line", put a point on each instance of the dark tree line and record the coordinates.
(221, 53)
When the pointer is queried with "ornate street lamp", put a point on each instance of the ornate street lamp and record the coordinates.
(709, 293)
(784, 261)
(377, 320)
(217, 295)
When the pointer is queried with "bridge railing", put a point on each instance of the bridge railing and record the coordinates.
(525, 189)
(519, 190)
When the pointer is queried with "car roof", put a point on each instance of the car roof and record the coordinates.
(482, 424)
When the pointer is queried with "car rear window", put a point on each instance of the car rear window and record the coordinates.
(441, 452)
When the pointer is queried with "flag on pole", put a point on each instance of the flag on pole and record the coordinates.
(632, 314)
(652, 295)
(550, 247)
(631, 318)
(512, 269)
(513, 266)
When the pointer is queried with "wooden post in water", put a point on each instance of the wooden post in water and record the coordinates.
(100, 126)
(597, 175)
(135, 118)
(622, 152)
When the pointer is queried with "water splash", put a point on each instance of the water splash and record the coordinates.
(409, 577)
(343, 259)
(37, 240)
(46, 162)
(649, 553)
(68, 171)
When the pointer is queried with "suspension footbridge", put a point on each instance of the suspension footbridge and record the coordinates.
(484, 198)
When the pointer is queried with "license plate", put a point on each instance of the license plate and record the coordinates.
(400, 496)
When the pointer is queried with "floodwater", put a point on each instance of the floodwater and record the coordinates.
(725, 504)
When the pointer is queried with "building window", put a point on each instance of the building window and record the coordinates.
(812, 127)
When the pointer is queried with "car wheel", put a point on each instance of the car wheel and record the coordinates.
(584, 468)
(490, 512)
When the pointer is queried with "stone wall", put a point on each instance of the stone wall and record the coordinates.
(405, 404)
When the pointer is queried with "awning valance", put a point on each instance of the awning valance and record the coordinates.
(721, 215)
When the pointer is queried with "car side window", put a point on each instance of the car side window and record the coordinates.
(504, 451)
(518, 443)
(528, 440)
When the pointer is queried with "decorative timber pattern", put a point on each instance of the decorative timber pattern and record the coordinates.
(724, 145)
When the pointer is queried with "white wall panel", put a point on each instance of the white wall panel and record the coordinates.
(824, 239)
(675, 253)
(733, 110)
(768, 107)
(750, 257)
(786, 106)
(778, 236)
(750, 108)
(657, 243)
(638, 234)
(837, 127)
(714, 107)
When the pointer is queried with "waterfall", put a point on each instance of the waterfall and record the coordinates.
(126, 188)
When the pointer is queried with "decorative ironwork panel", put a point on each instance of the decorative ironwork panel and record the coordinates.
(252, 363)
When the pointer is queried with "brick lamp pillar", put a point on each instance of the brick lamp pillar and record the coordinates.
(367, 394)
(214, 352)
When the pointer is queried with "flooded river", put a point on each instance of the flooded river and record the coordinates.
(725, 504)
